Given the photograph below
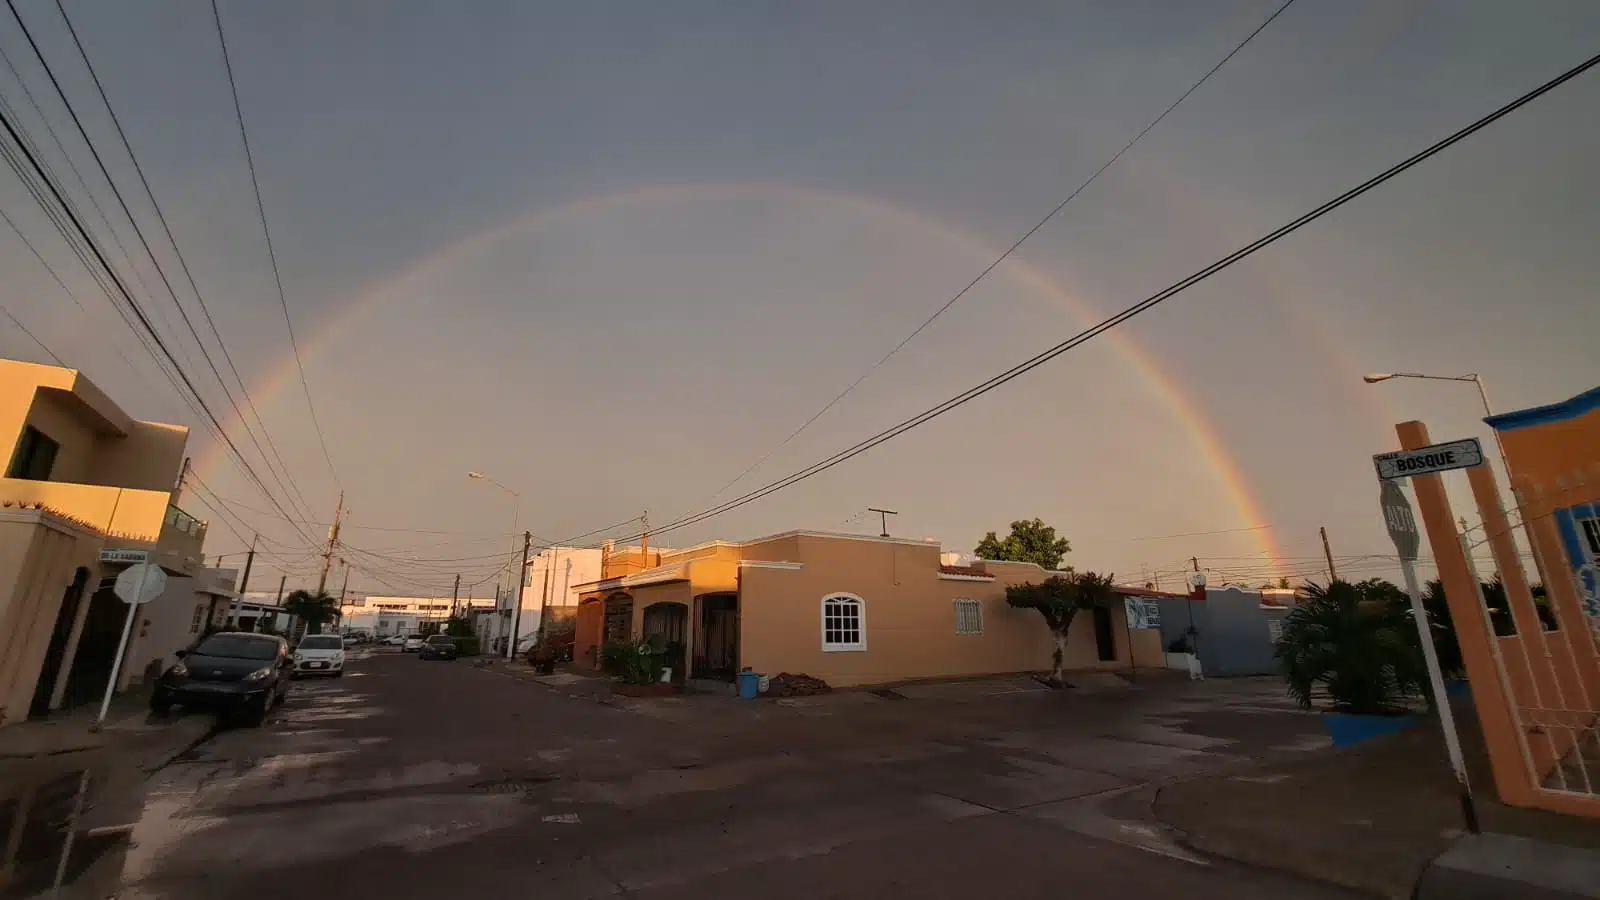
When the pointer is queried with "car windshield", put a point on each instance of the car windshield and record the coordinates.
(322, 642)
(413, 637)
(440, 639)
(238, 646)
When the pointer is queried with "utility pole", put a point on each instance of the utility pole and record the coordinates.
(1333, 575)
(883, 518)
(281, 580)
(183, 479)
(516, 614)
(544, 600)
(346, 586)
(249, 561)
(455, 594)
(333, 538)
(644, 542)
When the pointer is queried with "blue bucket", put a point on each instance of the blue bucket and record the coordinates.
(749, 685)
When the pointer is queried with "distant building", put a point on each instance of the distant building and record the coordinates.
(388, 616)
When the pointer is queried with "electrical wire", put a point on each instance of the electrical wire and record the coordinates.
(272, 255)
(1137, 308)
(35, 338)
(88, 239)
(293, 491)
(1004, 255)
(122, 290)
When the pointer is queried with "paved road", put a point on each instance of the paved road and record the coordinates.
(408, 779)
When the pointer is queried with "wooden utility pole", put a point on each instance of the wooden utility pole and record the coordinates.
(644, 542)
(281, 580)
(516, 614)
(333, 539)
(249, 561)
(455, 594)
(1327, 554)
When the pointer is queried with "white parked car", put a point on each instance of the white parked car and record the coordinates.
(413, 643)
(350, 640)
(398, 640)
(319, 654)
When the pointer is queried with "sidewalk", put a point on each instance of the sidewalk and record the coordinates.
(1370, 817)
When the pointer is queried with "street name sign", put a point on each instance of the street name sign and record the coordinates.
(1428, 460)
(131, 557)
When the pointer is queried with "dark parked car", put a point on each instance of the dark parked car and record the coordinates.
(439, 646)
(237, 673)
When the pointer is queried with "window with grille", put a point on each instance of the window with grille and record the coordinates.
(199, 616)
(844, 622)
(969, 617)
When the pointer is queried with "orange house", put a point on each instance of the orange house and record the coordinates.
(849, 609)
(1554, 453)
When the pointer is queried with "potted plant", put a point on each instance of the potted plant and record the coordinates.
(1356, 641)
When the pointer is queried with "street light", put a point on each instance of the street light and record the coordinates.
(1483, 395)
(516, 510)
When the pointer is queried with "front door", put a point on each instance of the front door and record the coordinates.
(1105, 641)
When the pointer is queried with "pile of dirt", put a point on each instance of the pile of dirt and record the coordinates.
(785, 684)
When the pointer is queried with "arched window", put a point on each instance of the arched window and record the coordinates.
(844, 622)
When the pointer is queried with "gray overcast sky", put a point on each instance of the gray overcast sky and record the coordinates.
(612, 253)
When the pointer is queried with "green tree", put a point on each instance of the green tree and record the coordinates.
(1058, 600)
(1283, 584)
(1356, 640)
(1030, 540)
(312, 608)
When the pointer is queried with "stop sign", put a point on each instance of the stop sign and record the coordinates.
(1397, 516)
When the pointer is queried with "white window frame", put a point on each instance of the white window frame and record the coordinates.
(976, 609)
(1588, 528)
(860, 606)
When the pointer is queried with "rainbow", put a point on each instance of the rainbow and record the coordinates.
(1183, 407)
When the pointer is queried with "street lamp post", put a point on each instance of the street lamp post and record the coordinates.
(1483, 396)
(516, 511)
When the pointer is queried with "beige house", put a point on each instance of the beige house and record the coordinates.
(849, 609)
(87, 491)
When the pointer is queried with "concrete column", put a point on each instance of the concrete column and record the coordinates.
(1512, 779)
(689, 625)
(59, 694)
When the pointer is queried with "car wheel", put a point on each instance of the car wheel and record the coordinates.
(339, 674)
(251, 713)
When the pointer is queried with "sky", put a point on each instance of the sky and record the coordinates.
(614, 254)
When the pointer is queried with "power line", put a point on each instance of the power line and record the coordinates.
(272, 255)
(35, 338)
(1006, 254)
(121, 288)
(1137, 308)
(294, 489)
(100, 256)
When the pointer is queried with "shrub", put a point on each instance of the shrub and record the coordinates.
(467, 645)
(635, 662)
(1358, 642)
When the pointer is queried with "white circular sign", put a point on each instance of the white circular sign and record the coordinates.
(141, 583)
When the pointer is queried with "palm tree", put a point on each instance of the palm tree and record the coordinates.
(1358, 641)
(1058, 599)
(314, 609)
